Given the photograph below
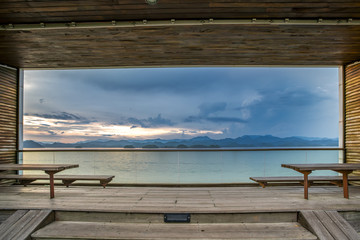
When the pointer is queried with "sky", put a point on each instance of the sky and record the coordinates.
(180, 103)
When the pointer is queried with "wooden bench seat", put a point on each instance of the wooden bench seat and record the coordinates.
(66, 179)
(337, 180)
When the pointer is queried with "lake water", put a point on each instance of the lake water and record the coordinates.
(184, 166)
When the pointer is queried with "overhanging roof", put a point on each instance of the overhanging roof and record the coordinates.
(255, 32)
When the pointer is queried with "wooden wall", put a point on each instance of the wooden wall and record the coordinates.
(8, 115)
(352, 113)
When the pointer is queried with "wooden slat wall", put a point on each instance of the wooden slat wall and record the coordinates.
(25, 11)
(352, 113)
(181, 46)
(8, 115)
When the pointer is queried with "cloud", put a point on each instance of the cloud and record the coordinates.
(52, 133)
(192, 98)
(225, 119)
(295, 97)
(252, 99)
(63, 116)
(148, 123)
(209, 108)
(208, 112)
(60, 116)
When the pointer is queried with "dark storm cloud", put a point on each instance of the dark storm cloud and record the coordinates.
(263, 99)
(149, 122)
(76, 119)
(225, 119)
(59, 116)
(206, 110)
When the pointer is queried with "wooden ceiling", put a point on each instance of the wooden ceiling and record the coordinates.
(178, 45)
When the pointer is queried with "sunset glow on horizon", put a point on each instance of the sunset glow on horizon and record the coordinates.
(180, 103)
(68, 131)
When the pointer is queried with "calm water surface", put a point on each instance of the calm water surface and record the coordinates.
(184, 166)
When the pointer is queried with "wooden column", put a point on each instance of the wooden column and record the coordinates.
(8, 115)
(352, 113)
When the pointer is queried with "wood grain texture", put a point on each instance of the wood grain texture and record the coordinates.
(12, 11)
(327, 225)
(178, 45)
(206, 45)
(23, 223)
(8, 117)
(352, 113)
(170, 199)
(98, 230)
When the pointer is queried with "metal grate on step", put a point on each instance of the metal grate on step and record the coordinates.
(177, 217)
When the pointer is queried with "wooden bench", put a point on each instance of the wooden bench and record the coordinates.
(337, 180)
(66, 179)
(50, 169)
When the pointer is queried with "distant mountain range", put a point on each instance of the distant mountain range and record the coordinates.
(197, 142)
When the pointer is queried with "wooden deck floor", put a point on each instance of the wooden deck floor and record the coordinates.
(167, 199)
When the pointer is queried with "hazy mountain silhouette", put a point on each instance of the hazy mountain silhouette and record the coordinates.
(197, 142)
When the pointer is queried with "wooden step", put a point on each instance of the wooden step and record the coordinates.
(134, 217)
(106, 230)
(5, 214)
(23, 223)
(328, 225)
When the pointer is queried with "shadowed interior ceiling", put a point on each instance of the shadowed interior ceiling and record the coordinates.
(175, 45)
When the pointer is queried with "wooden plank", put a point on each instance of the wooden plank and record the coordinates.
(351, 126)
(353, 218)
(343, 225)
(231, 44)
(5, 214)
(59, 177)
(323, 166)
(330, 225)
(180, 199)
(37, 220)
(66, 179)
(23, 222)
(300, 178)
(337, 180)
(45, 167)
(7, 226)
(310, 220)
(8, 115)
(106, 230)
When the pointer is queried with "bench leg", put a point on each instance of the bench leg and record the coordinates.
(306, 183)
(51, 176)
(345, 182)
(67, 182)
(309, 183)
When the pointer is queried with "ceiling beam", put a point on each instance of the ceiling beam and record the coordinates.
(157, 23)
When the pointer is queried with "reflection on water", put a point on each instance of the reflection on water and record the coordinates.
(184, 166)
